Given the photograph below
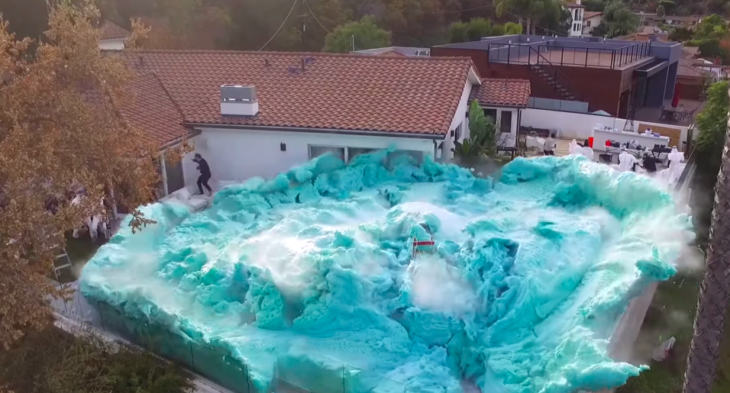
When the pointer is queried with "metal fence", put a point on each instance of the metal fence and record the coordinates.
(219, 365)
(559, 55)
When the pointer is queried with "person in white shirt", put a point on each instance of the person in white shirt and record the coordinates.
(549, 147)
(626, 161)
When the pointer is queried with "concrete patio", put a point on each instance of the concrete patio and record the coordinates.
(654, 114)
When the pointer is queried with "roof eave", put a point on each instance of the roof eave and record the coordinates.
(512, 106)
(192, 133)
(337, 131)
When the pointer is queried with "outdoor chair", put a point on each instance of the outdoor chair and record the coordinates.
(689, 115)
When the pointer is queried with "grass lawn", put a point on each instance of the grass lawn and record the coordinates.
(672, 314)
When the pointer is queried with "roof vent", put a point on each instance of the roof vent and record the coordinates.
(238, 100)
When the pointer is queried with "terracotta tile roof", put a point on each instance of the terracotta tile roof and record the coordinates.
(591, 14)
(502, 92)
(335, 91)
(686, 67)
(150, 109)
(110, 31)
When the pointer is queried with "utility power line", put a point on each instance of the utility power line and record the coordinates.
(280, 27)
(315, 16)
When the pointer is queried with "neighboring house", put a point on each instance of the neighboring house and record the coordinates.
(111, 36)
(576, 18)
(606, 75)
(503, 101)
(688, 22)
(260, 113)
(395, 51)
(692, 78)
(591, 19)
(647, 33)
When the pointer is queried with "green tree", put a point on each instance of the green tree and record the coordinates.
(52, 361)
(457, 32)
(366, 33)
(617, 20)
(680, 34)
(482, 141)
(712, 125)
(594, 5)
(528, 10)
(711, 49)
(512, 28)
(660, 11)
(712, 27)
(667, 5)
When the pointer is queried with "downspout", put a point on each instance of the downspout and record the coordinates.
(435, 148)
(163, 169)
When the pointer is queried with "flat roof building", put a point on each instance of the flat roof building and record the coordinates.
(611, 75)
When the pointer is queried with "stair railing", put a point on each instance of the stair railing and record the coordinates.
(558, 76)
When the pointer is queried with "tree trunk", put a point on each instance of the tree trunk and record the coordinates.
(714, 291)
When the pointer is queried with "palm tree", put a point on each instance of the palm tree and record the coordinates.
(714, 291)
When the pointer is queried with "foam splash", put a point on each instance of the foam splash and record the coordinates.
(310, 276)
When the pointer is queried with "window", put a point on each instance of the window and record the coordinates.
(588, 23)
(316, 151)
(356, 151)
(505, 122)
(492, 114)
(402, 156)
(457, 132)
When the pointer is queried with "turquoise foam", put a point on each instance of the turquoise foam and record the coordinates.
(310, 277)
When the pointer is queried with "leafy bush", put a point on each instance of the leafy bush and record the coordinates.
(53, 361)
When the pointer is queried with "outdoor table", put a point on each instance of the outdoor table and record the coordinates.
(672, 114)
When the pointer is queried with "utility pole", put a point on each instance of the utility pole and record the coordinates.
(352, 41)
(303, 15)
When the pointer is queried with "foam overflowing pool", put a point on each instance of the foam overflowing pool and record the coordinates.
(311, 277)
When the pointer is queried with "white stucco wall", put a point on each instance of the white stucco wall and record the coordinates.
(580, 126)
(595, 21)
(111, 44)
(236, 154)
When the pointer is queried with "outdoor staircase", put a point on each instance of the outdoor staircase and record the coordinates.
(541, 66)
(549, 77)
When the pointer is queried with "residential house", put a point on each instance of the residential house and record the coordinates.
(576, 18)
(111, 36)
(260, 113)
(594, 73)
(646, 34)
(653, 20)
(503, 101)
(395, 51)
(591, 19)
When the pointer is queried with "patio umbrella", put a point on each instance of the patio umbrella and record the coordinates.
(677, 93)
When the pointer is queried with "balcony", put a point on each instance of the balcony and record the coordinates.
(615, 55)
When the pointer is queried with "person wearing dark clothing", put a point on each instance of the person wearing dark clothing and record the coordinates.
(649, 163)
(204, 173)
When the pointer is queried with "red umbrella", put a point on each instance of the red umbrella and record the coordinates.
(677, 93)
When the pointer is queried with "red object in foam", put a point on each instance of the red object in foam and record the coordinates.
(423, 243)
(590, 142)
